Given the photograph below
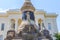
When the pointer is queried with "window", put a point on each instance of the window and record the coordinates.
(43, 25)
(2, 26)
(49, 26)
(1, 37)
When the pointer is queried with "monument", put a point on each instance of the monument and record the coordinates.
(28, 30)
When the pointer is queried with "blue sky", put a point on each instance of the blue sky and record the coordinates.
(51, 6)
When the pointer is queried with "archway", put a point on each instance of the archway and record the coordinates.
(39, 23)
(13, 23)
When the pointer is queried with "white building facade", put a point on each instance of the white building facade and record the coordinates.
(13, 18)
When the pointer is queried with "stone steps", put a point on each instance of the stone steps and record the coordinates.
(16, 39)
(21, 39)
(45, 39)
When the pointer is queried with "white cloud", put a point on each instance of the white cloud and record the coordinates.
(2, 10)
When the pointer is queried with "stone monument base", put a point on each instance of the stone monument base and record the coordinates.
(21, 39)
(45, 39)
(16, 39)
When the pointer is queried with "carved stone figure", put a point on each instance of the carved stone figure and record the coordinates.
(10, 35)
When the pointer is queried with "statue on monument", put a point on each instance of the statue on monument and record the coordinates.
(28, 16)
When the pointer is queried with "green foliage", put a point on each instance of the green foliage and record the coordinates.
(57, 36)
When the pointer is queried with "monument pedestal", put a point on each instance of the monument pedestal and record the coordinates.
(16, 39)
(45, 39)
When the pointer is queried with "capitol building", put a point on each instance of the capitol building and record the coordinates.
(14, 20)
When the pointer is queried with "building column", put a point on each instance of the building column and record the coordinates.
(41, 25)
(16, 26)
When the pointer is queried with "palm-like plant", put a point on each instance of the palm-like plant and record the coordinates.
(57, 36)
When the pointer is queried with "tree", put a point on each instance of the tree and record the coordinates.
(57, 36)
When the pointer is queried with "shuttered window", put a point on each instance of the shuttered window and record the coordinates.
(49, 26)
(2, 26)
